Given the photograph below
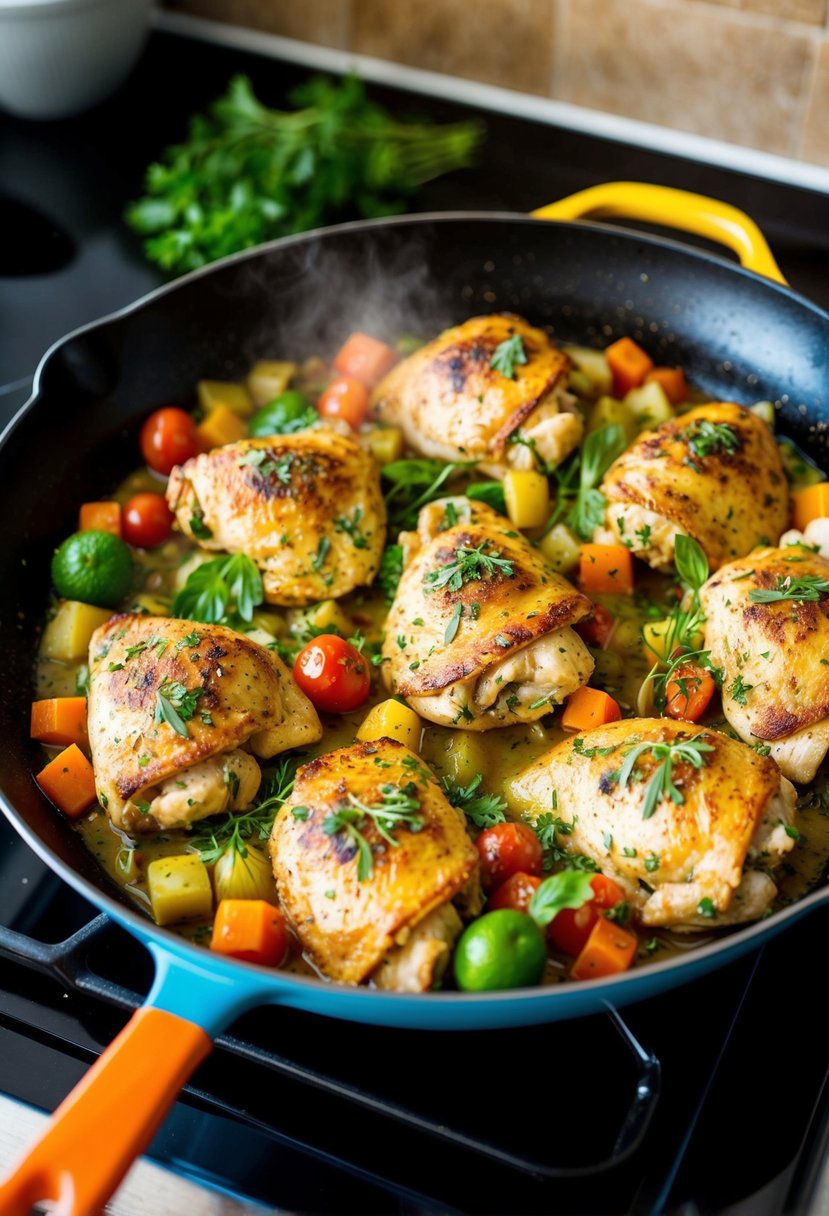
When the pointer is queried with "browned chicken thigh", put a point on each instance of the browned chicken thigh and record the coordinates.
(690, 845)
(479, 634)
(370, 860)
(767, 627)
(714, 473)
(175, 711)
(307, 508)
(452, 403)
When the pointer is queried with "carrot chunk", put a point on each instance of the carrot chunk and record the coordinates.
(629, 365)
(606, 568)
(69, 781)
(250, 929)
(688, 692)
(672, 382)
(588, 707)
(811, 503)
(100, 517)
(60, 720)
(365, 359)
(608, 950)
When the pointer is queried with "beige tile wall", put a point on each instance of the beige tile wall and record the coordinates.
(751, 72)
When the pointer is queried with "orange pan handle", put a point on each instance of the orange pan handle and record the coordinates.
(672, 208)
(109, 1118)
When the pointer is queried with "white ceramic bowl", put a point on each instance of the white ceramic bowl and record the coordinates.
(58, 57)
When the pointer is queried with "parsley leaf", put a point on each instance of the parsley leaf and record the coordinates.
(413, 484)
(507, 354)
(481, 810)
(247, 173)
(175, 705)
(222, 833)
(221, 590)
(468, 565)
(351, 527)
(704, 437)
(390, 572)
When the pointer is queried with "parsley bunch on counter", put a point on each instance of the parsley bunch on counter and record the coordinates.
(247, 173)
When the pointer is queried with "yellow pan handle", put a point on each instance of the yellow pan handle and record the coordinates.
(673, 209)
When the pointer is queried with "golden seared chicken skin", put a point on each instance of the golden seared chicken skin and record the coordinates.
(452, 403)
(767, 627)
(369, 858)
(177, 713)
(714, 473)
(692, 852)
(480, 631)
(307, 508)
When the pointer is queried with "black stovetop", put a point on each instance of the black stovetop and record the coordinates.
(702, 1100)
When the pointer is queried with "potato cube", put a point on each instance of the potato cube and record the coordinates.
(658, 640)
(269, 378)
(393, 720)
(384, 442)
(179, 888)
(527, 495)
(235, 397)
(650, 405)
(328, 615)
(610, 411)
(594, 365)
(561, 548)
(67, 635)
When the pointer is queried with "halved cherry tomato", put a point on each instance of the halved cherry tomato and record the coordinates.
(168, 438)
(572, 926)
(688, 692)
(333, 674)
(147, 521)
(515, 893)
(345, 398)
(597, 628)
(506, 849)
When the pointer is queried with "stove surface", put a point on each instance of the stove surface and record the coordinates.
(708, 1099)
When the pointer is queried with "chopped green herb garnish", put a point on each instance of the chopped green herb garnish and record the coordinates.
(507, 354)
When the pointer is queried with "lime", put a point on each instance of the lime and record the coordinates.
(503, 949)
(285, 415)
(93, 567)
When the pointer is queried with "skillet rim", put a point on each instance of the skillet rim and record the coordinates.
(697, 959)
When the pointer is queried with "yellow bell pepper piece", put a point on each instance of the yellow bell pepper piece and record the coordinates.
(385, 443)
(392, 720)
(527, 495)
(213, 393)
(221, 426)
(269, 378)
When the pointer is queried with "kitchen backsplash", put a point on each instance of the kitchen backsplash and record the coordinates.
(751, 72)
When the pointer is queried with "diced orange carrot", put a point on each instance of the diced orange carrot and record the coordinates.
(69, 781)
(672, 382)
(688, 692)
(60, 721)
(811, 503)
(608, 950)
(365, 359)
(588, 707)
(250, 929)
(100, 517)
(605, 568)
(629, 365)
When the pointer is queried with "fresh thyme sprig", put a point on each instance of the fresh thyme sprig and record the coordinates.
(398, 805)
(467, 566)
(661, 783)
(229, 833)
(811, 587)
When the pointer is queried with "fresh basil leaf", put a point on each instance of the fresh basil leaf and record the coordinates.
(690, 561)
(569, 889)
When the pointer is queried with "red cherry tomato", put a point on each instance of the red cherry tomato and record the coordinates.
(515, 893)
(597, 628)
(571, 927)
(168, 438)
(333, 674)
(506, 848)
(147, 521)
(345, 398)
